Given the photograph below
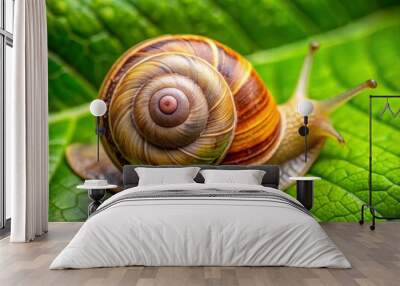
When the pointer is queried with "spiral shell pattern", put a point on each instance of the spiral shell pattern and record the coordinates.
(170, 109)
(187, 100)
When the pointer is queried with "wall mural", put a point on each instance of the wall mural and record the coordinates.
(228, 96)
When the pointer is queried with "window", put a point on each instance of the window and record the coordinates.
(6, 65)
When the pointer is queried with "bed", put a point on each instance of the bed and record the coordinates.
(198, 224)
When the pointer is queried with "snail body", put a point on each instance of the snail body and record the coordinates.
(185, 99)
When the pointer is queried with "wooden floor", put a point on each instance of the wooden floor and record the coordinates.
(375, 257)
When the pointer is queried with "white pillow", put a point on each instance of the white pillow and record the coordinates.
(248, 177)
(163, 176)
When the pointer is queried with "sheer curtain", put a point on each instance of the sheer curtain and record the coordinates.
(26, 124)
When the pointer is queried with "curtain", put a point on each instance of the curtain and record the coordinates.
(26, 124)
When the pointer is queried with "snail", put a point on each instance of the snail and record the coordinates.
(186, 99)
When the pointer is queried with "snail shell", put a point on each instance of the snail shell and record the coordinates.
(185, 99)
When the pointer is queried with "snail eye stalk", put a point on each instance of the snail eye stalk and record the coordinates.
(329, 105)
(302, 84)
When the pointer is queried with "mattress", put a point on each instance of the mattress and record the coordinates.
(201, 225)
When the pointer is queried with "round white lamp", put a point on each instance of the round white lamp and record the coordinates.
(98, 108)
(305, 108)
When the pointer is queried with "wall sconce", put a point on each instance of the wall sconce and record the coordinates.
(98, 108)
(305, 108)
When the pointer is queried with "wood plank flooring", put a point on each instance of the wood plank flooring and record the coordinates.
(375, 257)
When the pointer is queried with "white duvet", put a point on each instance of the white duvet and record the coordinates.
(200, 231)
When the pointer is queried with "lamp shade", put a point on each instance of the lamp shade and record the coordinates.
(305, 107)
(98, 107)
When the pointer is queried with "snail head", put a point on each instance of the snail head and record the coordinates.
(319, 121)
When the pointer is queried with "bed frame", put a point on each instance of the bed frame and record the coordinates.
(271, 177)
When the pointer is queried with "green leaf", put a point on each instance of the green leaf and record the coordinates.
(67, 88)
(84, 41)
(348, 57)
(67, 203)
(90, 35)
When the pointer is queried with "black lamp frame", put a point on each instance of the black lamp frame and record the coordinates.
(304, 131)
(100, 131)
(369, 205)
